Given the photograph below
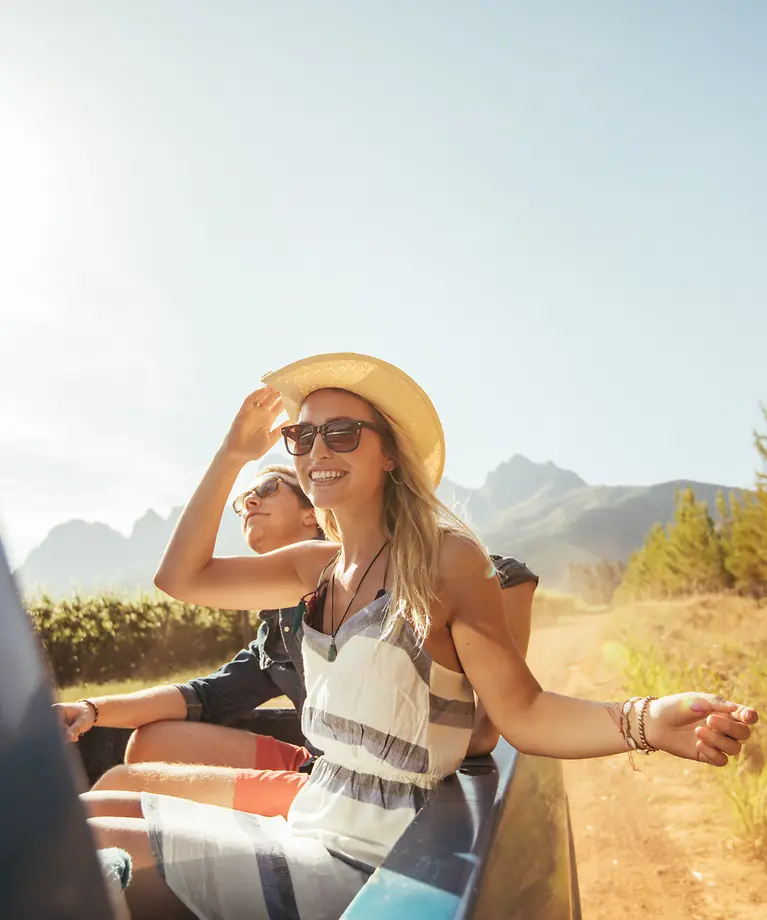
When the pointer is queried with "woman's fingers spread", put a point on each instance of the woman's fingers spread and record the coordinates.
(746, 714)
(707, 754)
(727, 725)
(717, 740)
(256, 397)
(274, 403)
(718, 704)
(264, 396)
(269, 402)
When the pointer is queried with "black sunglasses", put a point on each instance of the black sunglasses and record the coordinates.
(342, 436)
(264, 490)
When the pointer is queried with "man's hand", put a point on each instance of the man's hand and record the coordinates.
(77, 718)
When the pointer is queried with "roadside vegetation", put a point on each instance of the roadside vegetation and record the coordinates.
(691, 611)
(100, 640)
(714, 642)
(695, 553)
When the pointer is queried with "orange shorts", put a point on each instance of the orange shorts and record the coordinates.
(270, 787)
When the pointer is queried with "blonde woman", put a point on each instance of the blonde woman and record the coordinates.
(402, 621)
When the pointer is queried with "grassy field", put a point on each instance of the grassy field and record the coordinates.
(718, 644)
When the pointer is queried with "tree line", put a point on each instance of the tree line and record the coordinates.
(693, 554)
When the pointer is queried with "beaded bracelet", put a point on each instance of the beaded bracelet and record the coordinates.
(646, 747)
(94, 707)
(621, 714)
(626, 728)
(617, 713)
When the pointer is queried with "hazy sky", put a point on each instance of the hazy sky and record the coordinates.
(552, 214)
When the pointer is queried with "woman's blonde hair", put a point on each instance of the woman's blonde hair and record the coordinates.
(414, 521)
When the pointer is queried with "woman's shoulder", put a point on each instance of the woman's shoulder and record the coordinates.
(462, 557)
(465, 572)
(320, 546)
(311, 558)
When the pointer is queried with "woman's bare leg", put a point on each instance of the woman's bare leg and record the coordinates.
(112, 804)
(259, 792)
(206, 784)
(149, 898)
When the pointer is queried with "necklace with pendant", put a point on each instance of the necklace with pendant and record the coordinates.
(332, 650)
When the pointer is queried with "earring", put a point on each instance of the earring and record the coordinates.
(397, 482)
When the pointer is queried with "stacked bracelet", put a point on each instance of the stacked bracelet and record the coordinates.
(625, 727)
(646, 747)
(94, 707)
(620, 714)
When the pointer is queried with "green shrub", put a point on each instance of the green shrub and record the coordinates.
(99, 639)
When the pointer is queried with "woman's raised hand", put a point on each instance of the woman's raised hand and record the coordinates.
(252, 433)
(699, 726)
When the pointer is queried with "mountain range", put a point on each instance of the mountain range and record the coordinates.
(546, 516)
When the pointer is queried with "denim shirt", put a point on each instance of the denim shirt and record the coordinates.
(272, 664)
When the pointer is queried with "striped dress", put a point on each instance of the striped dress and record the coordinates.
(392, 723)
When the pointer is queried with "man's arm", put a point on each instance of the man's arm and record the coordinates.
(519, 585)
(123, 710)
(518, 611)
(517, 604)
(236, 688)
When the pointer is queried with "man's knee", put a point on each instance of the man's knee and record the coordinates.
(147, 744)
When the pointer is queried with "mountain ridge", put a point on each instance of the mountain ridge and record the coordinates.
(547, 516)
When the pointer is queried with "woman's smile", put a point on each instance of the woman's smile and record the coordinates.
(324, 476)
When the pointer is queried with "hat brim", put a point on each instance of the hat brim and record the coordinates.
(388, 388)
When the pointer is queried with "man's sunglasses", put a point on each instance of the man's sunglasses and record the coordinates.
(341, 437)
(264, 490)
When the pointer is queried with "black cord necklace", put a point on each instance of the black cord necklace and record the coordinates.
(332, 650)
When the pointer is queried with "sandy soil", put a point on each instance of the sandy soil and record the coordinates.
(660, 842)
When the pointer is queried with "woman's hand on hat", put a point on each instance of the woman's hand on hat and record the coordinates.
(699, 726)
(253, 431)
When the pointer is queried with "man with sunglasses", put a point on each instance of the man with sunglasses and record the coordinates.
(187, 723)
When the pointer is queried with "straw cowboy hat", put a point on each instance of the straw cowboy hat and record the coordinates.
(388, 388)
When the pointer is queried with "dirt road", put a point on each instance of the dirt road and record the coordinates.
(660, 842)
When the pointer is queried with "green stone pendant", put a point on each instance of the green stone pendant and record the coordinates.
(332, 650)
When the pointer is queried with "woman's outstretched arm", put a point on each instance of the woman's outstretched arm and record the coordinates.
(539, 722)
